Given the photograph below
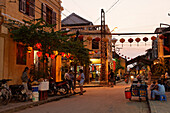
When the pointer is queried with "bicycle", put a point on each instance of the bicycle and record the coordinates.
(5, 93)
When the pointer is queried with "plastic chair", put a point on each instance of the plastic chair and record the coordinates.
(162, 97)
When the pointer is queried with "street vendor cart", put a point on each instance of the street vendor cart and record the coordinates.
(136, 90)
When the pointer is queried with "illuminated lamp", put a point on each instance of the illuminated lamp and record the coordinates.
(55, 52)
(122, 40)
(105, 40)
(145, 39)
(153, 38)
(96, 51)
(29, 49)
(137, 40)
(73, 36)
(52, 56)
(130, 40)
(47, 55)
(92, 52)
(39, 53)
(38, 45)
(97, 39)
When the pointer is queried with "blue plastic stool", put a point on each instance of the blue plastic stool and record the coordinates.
(162, 97)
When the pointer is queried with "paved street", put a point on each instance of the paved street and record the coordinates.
(94, 100)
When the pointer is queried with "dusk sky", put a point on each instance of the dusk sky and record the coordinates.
(129, 16)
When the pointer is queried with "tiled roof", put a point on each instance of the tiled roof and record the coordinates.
(75, 20)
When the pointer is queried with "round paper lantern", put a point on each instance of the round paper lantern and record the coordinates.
(81, 37)
(39, 53)
(55, 52)
(73, 36)
(137, 40)
(92, 52)
(63, 34)
(52, 56)
(122, 40)
(105, 40)
(125, 57)
(128, 58)
(153, 38)
(96, 51)
(122, 55)
(89, 38)
(97, 39)
(145, 39)
(47, 55)
(130, 40)
(38, 45)
(161, 36)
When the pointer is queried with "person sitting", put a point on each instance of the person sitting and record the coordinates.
(160, 91)
(153, 87)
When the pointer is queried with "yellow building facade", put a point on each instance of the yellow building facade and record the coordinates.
(12, 59)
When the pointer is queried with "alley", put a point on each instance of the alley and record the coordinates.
(94, 100)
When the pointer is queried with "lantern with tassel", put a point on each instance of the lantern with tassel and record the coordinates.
(97, 39)
(52, 56)
(81, 37)
(130, 40)
(145, 39)
(137, 40)
(153, 38)
(122, 40)
(39, 53)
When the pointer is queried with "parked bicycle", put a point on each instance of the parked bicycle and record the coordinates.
(5, 93)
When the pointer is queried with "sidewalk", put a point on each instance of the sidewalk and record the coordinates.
(160, 106)
(17, 106)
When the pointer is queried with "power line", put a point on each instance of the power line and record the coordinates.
(108, 9)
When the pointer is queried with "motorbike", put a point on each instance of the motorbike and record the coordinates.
(58, 87)
(18, 92)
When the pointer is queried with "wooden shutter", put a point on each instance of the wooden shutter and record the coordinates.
(22, 6)
(32, 8)
(43, 13)
(54, 18)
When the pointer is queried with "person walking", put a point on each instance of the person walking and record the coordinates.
(71, 81)
(25, 78)
(80, 79)
(68, 79)
(112, 78)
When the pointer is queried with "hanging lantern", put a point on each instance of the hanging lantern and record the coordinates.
(153, 38)
(47, 55)
(122, 40)
(137, 40)
(29, 49)
(68, 55)
(119, 53)
(161, 36)
(114, 40)
(96, 51)
(63, 54)
(122, 55)
(97, 39)
(130, 40)
(80, 37)
(145, 39)
(92, 52)
(71, 57)
(55, 53)
(105, 40)
(63, 34)
(39, 53)
(125, 57)
(128, 58)
(89, 38)
(52, 56)
(38, 45)
(74, 36)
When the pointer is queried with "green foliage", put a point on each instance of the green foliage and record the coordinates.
(118, 66)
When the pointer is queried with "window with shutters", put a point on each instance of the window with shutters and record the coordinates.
(48, 14)
(27, 7)
(95, 44)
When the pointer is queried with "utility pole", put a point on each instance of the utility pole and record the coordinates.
(103, 47)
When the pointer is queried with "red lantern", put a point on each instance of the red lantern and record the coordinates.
(153, 38)
(97, 39)
(92, 52)
(125, 57)
(63, 34)
(96, 51)
(62, 54)
(145, 39)
(47, 55)
(39, 54)
(161, 36)
(105, 39)
(89, 38)
(130, 40)
(122, 40)
(122, 55)
(137, 40)
(38, 45)
(128, 58)
(52, 56)
(81, 37)
(89, 53)
(71, 57)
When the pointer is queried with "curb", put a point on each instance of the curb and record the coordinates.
(149, 106)
(32, 104)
